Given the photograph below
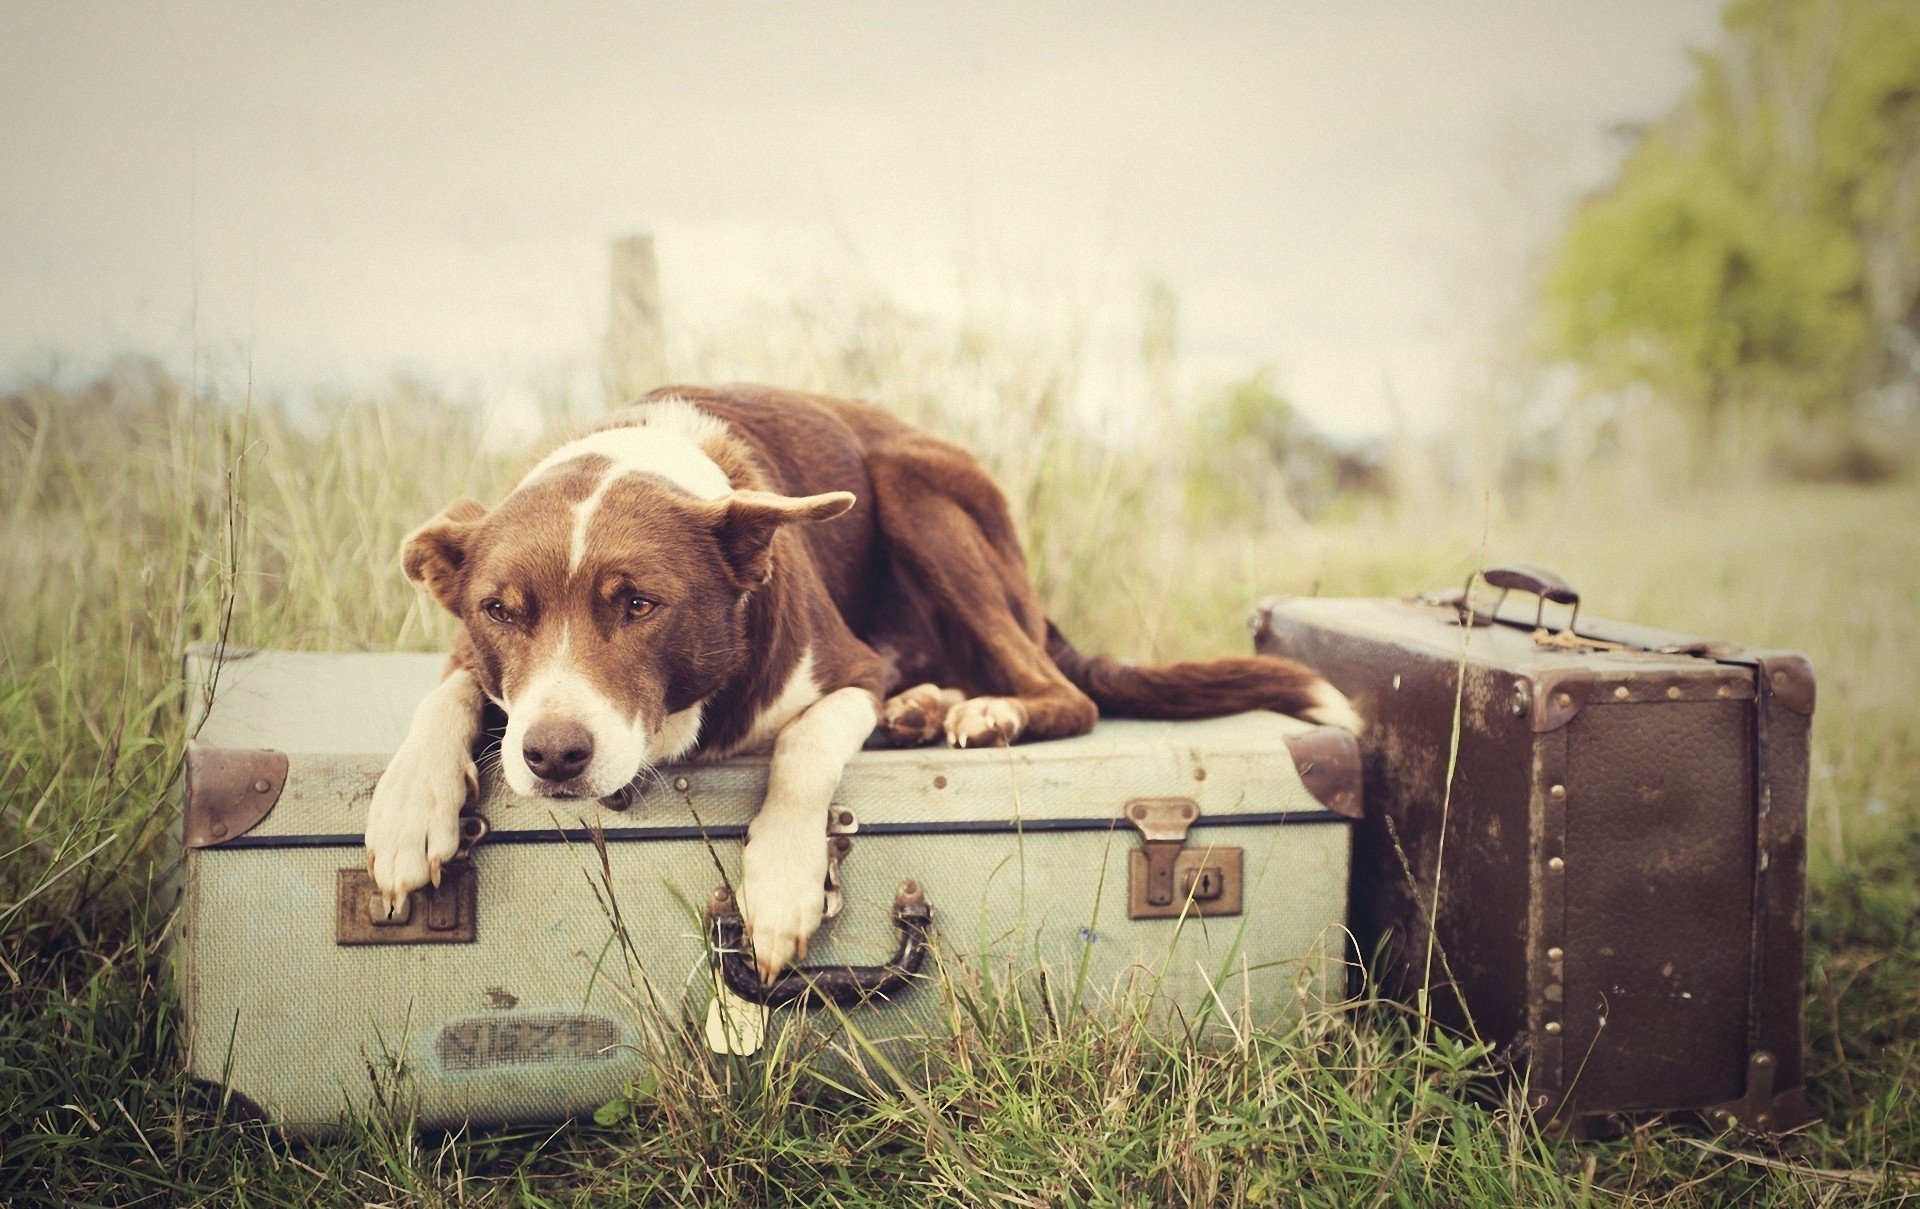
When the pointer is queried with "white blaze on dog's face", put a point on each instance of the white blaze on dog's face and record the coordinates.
(606, 599)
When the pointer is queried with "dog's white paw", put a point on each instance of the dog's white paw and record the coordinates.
(413, 825)
(783, 876)
(986, 722)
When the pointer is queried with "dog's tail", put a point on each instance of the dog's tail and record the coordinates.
(1203, 689)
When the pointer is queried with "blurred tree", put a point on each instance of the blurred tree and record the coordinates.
(1252, 413)
(1255, 456)
(1759, 253)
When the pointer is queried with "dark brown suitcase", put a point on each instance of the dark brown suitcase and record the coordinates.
(1620, 862)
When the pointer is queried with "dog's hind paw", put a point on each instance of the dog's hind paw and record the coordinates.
(986, 722)
(916, 716)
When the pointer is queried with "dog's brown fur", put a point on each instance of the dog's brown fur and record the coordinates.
(916, 593)
(927, 571)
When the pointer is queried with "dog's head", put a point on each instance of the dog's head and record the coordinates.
(604, 606)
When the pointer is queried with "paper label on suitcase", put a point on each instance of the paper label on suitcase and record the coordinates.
(483, 1042)
(735, 1026)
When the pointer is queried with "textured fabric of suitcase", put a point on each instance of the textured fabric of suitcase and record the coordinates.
(1619, 854)
(1023, 854)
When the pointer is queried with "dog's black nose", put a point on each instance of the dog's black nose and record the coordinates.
(557, 749)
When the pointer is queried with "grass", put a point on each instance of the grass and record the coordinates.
(142, 517)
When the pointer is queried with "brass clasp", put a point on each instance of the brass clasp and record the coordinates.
(1167, 879)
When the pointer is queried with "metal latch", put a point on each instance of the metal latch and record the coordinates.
(434, 915)
(1167, 879)
(841, 826)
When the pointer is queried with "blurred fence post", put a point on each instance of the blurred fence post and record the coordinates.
(634, 359)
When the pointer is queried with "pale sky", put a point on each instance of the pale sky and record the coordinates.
(337, 191)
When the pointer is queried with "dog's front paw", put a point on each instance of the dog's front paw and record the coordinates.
(413, 825)
(783, 879)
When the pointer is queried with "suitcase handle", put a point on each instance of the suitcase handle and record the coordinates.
(846, 986)
(1524, 577)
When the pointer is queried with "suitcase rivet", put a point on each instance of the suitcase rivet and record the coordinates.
(1557, 791)
(1556, 864)
(261, 786)
(680, 783)
(219, 829)
(1563, 700)
(1620, 694)
(1199, 774)
(1673, 692)
(1553, 1027)
(939, 782)
(1555, 953)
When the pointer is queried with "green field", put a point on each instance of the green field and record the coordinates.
(141, 518)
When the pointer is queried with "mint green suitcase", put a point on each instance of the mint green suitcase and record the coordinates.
(1198, 869)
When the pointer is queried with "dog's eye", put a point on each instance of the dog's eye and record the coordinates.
(638, 606)
(497, 610)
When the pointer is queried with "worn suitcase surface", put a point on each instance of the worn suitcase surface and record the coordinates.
(1203, 864)
(1621, 858)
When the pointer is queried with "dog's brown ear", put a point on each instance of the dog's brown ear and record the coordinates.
(435, 554)
(749, 519)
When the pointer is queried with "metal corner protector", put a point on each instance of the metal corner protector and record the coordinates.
(1558, 695)
(1789, 679)
(229, 790)
(1328, 760)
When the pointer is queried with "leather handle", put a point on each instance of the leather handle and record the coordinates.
(847, 986)
(1531, 578)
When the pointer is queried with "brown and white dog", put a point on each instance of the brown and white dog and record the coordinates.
(742, 569)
